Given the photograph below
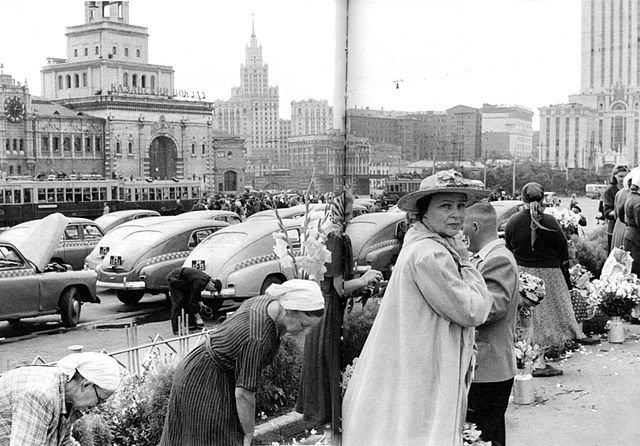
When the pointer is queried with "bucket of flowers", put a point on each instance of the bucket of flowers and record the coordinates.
(527, 356)
(615, 296)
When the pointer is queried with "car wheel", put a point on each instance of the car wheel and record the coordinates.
(270, 281)
(129, 297)
(70, 306)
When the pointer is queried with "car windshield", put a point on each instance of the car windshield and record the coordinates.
(360, 231)
(223, 242)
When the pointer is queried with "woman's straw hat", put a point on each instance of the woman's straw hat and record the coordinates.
(444, 181)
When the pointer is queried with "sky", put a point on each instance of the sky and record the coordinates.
(442, 53)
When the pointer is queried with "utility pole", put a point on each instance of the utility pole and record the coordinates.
(513, 179)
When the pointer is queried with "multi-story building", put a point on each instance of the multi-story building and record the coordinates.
(510, 124)
(601, 121)
(464, 134)
(311, 117)
(252, 112)
(150, 129)
(39, 136)
(334, 160)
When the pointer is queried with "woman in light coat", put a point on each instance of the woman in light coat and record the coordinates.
(411, 381)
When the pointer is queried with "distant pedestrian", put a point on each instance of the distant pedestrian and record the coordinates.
(39, 404)
(185, 288)
(105, 208)
(496, 361)
(178, 209)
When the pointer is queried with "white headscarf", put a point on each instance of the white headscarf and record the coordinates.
(99, 368)
(298, 294)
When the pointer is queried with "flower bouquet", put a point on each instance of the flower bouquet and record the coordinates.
(567, 219)
(528, 356)
(532, 292)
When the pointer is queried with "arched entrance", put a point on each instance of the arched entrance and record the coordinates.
(162, 158)
(230, 181)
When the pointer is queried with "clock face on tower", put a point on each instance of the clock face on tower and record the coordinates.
(14, 109)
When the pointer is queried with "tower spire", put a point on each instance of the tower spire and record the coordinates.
(253, 26)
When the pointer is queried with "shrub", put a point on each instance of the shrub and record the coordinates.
(591, 250)
(92, 430)
(278, 387)
(357, 325)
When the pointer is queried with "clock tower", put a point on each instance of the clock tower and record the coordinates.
(16, 129)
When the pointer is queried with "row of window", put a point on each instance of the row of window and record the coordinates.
(142, 83)
(114, 51)
(90, 144)
(15, 143)
(66, 81)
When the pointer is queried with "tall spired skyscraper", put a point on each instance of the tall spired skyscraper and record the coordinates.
(253, 113)
(600, 124)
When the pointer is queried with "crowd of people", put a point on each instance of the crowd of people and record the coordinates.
(419, 376)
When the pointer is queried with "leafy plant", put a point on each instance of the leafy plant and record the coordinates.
(591, 250)
(357, 325)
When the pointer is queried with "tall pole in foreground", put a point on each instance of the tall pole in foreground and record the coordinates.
(513, 177)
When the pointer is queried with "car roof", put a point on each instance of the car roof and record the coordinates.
(382, 218)
(70, 220)
(128, 212)
(286, 212)
(259, 228)
(172, 228)
(205, 213)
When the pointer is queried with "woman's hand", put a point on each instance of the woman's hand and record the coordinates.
(371, 277)
(460, 249)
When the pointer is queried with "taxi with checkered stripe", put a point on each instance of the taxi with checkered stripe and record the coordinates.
(241, 257)
(141, 260)
(80, 236)
(32, 286)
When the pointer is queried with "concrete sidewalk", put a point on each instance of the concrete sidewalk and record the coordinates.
(596, 402)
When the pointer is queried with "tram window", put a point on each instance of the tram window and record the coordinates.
(27, 196)
(16, 196)
(152, 194)
(127, 196)
(136, 195)
(77, 194)
(68, 195)
(42, 195)
(86, 194)
(8, 196)
(162, 193)
(114, 193)
(95, 194)
(172, 193)
(51, 195)
(145, 194)
(1, 197)
(60, 195)
(103, 193)
(120, 194)
(87, 144)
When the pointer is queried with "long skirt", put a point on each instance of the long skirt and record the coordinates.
(202, 405)
(617, 239)
(319, 396)
(553, 320)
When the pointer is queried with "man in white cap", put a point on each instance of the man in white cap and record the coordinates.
(39, 404)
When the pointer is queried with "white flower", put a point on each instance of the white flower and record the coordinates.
(281, 249)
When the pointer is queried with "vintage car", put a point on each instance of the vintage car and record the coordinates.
(504, 210)
(230, 217)
(116, 235)
(78, 239)
(376, 240)
(109, 221)
(242, 258)
(30, 286)
(293, 212)
(140, 262)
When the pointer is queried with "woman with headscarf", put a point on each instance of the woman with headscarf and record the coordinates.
(39, 404)
(212, 399)
(608, 200)
(632, 219)
(617, 237)
(540, 247)
(319, 397)
(411, 381)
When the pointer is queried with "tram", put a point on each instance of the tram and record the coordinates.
(400, 185)
(23, 200)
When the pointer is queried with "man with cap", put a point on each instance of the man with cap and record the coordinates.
(212, 399)
(39, 404)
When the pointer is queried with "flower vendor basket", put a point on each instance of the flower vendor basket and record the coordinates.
(616, 330)
(523, 389)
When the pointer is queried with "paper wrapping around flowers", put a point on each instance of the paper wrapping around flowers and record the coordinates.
(532, 289)
(619, 260)
(566, 218)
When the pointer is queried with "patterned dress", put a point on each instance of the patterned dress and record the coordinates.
(202, 406)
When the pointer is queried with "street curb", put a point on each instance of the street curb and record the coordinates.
(281, 428)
